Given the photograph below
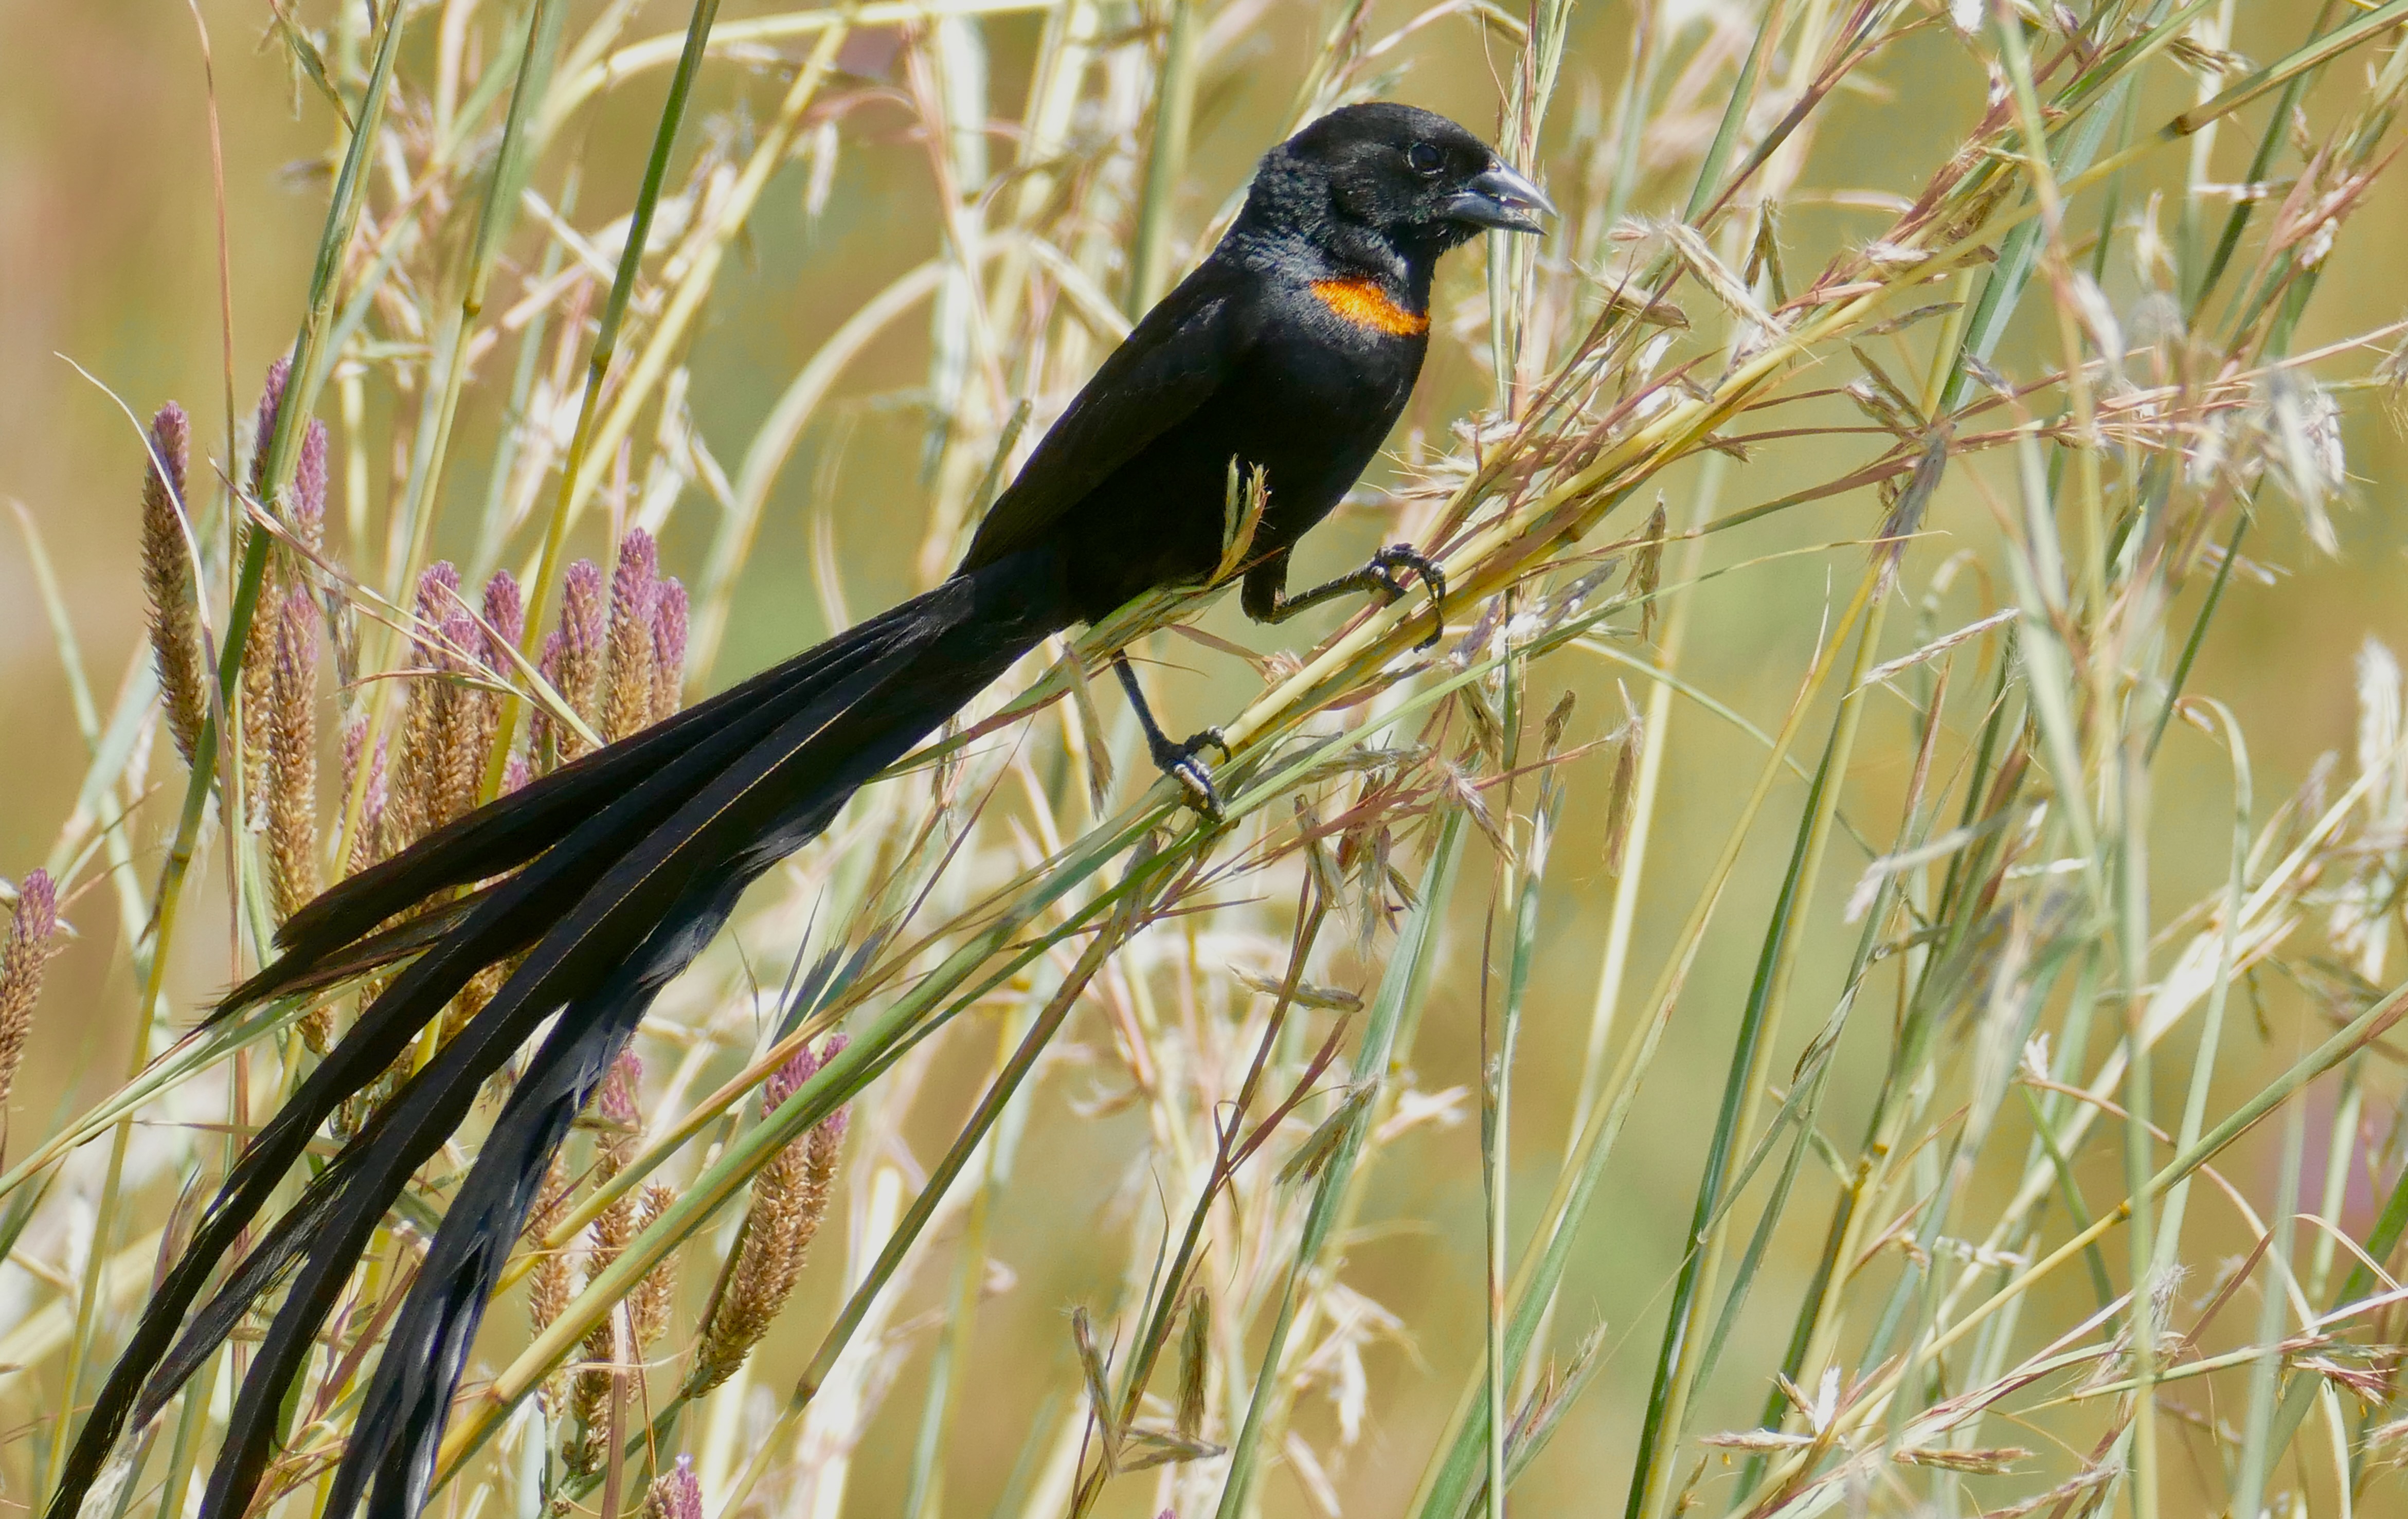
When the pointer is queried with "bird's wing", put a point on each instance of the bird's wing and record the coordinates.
(1178, 356)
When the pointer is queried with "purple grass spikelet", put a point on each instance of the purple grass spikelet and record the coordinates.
(363, 848)
(648, 1306)
(309, 493)
(301, 508)
(543, 729)
(579, 676)
(675, 1494)
(417, 789)
(438, 597)
(469, 715)
(263, 427)
(505, 609)
(614, 1101)
(669, 615)
(635, 596)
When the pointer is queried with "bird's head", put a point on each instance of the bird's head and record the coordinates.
(1393, 177)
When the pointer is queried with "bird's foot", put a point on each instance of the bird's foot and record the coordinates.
(1382, 573)
(1180, 762)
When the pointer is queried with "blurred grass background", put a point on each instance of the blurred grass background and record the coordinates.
(106, 257)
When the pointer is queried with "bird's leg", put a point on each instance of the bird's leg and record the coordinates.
(1267, 599)
(1177, 761)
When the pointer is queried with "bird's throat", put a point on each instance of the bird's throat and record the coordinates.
(1363, 303)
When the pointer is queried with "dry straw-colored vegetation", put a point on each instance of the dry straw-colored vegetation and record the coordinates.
(1965, 1233)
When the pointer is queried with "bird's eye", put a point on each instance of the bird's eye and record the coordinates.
(1425, 158)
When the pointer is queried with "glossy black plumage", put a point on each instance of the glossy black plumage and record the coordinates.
(1293, 346)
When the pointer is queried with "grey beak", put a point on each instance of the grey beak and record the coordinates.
(1501, 199)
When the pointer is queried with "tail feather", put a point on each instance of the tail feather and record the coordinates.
(424, 1354)
(383, 1032)
(496, 923)
(503, 919)
(344, 1207)
(393, 943)
(333, 1224)
(509, 832)
(648, 845)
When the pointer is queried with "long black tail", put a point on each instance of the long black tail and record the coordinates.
(626, 864)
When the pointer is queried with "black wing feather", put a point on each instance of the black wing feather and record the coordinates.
(1177, 358)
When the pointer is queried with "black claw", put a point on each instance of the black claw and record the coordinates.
(1179, 763)
(1405, 556)
(1198, 786)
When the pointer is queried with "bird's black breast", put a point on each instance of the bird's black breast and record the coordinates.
(1309, 399)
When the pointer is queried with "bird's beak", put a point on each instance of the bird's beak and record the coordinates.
(1501, 199)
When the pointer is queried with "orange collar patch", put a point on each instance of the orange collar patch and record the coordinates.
(1363, 303)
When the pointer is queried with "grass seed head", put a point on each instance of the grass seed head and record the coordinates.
(549, 1285)
(614, 1102)
(307, 501)
(634, 600)
(302, 511)
(613, 1107)
(32, 934)
(417, 787)
(362, 851)
(669, 649)
(544, 733)
(167, 581)
(578, 669)
(291, 796)
(263, 427)
(675, 1494)
(582, 625)
(470, 714)
(504, 610)
(790, 1200)
(648, 1306)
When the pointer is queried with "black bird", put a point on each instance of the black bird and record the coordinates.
(1292, 348)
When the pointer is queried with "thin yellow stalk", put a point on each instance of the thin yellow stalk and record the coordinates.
(1653, 1488)
(1655, 734)
(495, 218)
(606, 338)
(701, 256)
